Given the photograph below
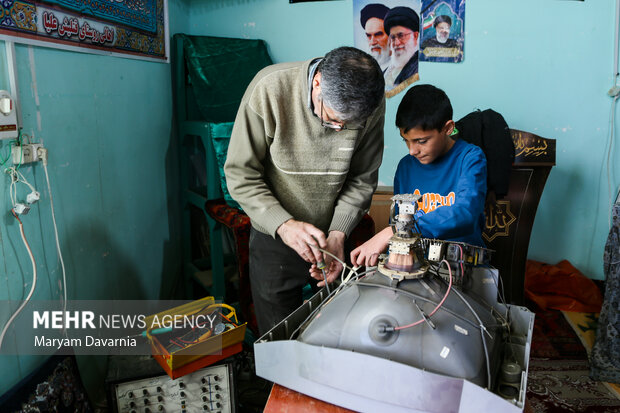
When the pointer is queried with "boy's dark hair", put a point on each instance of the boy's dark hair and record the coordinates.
(424, 106)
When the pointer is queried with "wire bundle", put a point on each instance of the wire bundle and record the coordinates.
(201, 333)
(17, 177)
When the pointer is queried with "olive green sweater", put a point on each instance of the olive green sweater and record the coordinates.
(283, 164)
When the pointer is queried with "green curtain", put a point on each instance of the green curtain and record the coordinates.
(220, 136)
(220, 69)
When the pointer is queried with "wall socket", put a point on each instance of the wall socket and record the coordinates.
(26, 153)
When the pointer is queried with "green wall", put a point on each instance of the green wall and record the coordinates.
(107, 123)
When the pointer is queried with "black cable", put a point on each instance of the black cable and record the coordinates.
(482, 329)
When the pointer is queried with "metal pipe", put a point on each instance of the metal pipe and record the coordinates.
(617, 42)
(13, 83)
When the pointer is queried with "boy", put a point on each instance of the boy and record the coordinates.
(450, 174)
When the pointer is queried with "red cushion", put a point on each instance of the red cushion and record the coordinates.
(239, 223)
(364, 231)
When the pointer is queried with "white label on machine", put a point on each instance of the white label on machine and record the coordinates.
(444, 352)
(434, 251)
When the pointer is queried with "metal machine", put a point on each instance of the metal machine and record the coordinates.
(135, 385)
(422, 333)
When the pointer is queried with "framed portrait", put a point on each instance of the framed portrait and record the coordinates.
(443, 31)
(389, 30)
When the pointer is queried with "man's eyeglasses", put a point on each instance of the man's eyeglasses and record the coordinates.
(337, 125)
(400, 36)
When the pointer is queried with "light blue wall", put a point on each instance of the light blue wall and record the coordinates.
(546, 66)
(107, 123)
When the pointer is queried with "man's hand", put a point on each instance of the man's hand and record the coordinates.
(335, 245)
(299, 236)
(367, 254)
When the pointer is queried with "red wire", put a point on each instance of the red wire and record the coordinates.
(15, 215)
(438, 305)
(177, 344)
(226, 318)
(193, 329)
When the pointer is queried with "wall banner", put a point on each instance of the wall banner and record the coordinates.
(126, 28)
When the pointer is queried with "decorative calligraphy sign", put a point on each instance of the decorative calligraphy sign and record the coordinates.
(129, 28)
(139, 14)
(530, 148)
(498, 220)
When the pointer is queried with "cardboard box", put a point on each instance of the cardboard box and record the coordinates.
(202, 353)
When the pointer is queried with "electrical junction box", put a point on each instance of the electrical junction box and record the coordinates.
(8, 117)
(26, 153)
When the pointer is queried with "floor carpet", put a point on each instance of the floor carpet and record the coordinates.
(558, 378)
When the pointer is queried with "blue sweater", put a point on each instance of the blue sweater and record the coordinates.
(454, 190)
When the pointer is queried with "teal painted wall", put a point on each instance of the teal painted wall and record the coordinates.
(107, 123)
(546, 66)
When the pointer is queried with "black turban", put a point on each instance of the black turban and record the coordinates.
(372, 10)
(401, 16)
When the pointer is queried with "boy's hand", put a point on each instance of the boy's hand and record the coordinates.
(367, 254)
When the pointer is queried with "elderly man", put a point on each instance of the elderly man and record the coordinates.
(403, 26)
(371, 19)
(303, 161)
(442, 25)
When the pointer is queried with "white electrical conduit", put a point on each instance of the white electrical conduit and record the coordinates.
(617, 42)
(62, 263)
(13, 83)
(34, 268)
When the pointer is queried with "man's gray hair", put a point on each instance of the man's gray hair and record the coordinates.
(352, 83)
